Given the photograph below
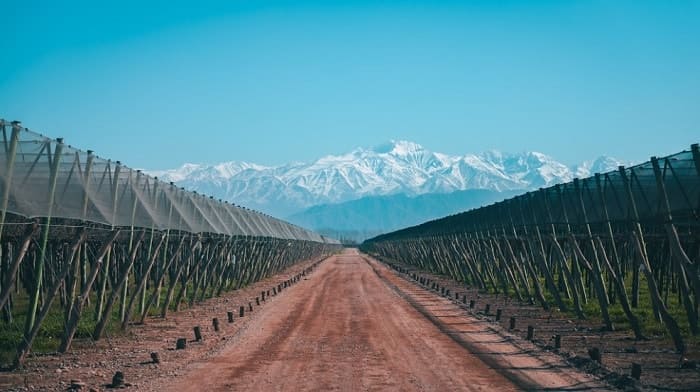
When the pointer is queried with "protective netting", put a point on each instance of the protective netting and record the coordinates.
(655, 191)
(43, 177)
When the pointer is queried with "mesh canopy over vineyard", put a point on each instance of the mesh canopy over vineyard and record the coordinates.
(115, 245)
(88, 188)
(595, 201)
(619, 238)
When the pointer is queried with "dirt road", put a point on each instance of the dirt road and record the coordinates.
(355, 325)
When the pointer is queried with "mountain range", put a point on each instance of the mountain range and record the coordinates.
(398, 168)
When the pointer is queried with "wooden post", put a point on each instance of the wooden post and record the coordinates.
(39, 269)
(215, 324)
(499, 312)
(597, 275)
(142, 284)
(104, 317)
(595, 354)
(487, 309)
(11, 272)
(512, 323)
(198, 333)
(678, 256)
(26, 343)
(640, 247)
(181, 344)
(118, 380)
(230, 316)
(636, 371)
(7, 185)
(155, 357)
(557, 342)
(241, 311)
(78, 305)
(530, 332)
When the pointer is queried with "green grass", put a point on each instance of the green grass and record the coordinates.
(650, 326)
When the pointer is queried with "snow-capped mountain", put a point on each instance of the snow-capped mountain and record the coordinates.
(397, 167)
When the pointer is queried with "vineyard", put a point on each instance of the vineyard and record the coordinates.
(89, 245)
(625, 242)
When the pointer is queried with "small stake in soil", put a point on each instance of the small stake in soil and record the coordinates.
(464, 299)
(215, 323)
(241, 311)
(636, 371)
(487, 309)
(155, 357)
(512, 323)
(257, 301)
(499, 312)
(530, 332)
(230, 316)
(181, 344)
(197, 333)
(250, 306)
(472, 303)
(557, 342)
(118, 380)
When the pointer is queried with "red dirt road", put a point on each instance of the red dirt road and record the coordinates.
(355, 325)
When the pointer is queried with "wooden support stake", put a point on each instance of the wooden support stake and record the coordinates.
(197, 333)
(557, 342)
(472, 303)
(636, 371)
(595, 354)
(512, 323)
(487, 309)
(241, 311)
(181, 344)
(250, 306)
(499, 312)
(155, 357)
(530, 332)
(230, 316)
(118, 380)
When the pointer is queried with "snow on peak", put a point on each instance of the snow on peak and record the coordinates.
(398, 147)
(397, 166)
(602, 164)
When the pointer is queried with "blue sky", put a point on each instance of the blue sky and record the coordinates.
(270, 82)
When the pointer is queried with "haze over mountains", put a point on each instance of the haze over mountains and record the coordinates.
(379, 184)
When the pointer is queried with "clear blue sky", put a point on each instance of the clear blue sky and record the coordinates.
(270, 82)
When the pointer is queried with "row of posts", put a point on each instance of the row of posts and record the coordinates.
(594, 352)
(181, 343)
